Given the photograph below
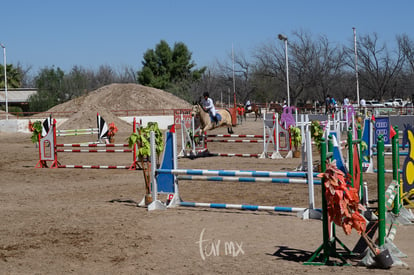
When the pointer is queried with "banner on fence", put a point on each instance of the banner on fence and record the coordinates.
(382, 127)
(186, 113)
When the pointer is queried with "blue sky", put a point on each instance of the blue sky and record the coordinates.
(91, 33)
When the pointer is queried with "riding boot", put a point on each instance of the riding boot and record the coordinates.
(216, 120)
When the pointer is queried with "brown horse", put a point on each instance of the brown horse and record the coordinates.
(205, 120)
(253, 108)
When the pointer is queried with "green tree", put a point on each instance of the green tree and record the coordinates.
(50, 86)
(169, 69)
(14, 77)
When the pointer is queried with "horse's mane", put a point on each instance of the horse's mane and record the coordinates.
(202, 107)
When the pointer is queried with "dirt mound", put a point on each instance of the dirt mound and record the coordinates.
(116, 97)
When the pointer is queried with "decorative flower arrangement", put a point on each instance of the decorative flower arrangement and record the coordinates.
(342, 200)
(112, 130)
(192, 137)
(317, 133)
(142, 140)
(36, 129)
(295, 136)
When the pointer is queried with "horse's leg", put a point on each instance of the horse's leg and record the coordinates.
(230, 130)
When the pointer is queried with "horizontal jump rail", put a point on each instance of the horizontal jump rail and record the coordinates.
(92, 145)
(94, 150)
(236, 140)
(236, 136)
(248, 179)
(76, 134)
(235, 155)
(95, 166)
(243, 207)
(388, 171)
(231, 173)
(401, 153)
(77, 130)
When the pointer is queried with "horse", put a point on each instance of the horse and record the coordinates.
(253, 108)
(205, 120)
(276, 107)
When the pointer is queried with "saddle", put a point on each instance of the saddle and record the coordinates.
(218, 116)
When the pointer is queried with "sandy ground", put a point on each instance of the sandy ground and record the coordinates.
(81, 221)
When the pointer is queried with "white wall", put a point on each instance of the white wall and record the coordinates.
(21, 125)
(163, 121)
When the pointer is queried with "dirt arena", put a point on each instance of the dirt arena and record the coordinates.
(80, 221)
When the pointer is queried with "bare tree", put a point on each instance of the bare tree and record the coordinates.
(104, 76)
(270, 64)
(318, 65)
(314, 66)
(237, 77)
(127, 75)
(406, 76)
(407, 47)
(209, 82)
(379, 69)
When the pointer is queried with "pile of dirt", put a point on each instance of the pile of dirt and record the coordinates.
(116, 97)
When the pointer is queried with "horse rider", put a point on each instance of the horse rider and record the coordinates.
(208, 105)
(248, 105)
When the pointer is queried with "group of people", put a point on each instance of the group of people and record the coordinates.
(330, 105)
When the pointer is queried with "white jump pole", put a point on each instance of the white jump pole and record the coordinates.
(155, 204)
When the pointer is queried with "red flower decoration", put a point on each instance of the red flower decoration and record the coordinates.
(342, 200)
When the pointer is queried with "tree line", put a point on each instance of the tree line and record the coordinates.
(317, 68)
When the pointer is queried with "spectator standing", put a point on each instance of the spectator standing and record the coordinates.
(240, 112)
(363, 103)
(327, 104)
(333, 105)
(346, 101)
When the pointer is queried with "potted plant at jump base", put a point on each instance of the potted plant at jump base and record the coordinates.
(296, 139)
(141, 139)
(317, 133)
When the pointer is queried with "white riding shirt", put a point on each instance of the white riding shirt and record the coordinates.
(209, 106)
